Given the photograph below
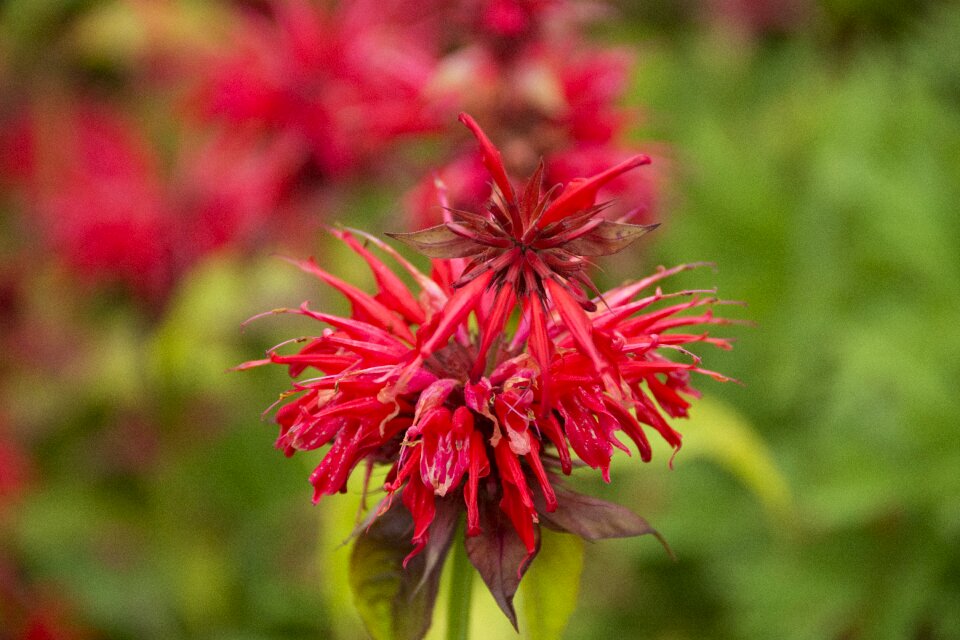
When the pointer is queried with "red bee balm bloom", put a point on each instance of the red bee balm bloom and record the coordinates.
(484, 420)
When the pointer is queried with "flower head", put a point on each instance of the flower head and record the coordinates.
(485, 421)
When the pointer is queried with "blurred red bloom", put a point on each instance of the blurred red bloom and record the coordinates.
(345, 82)
(482, 421)
(15, 468)
(554, 99)
(94, 190)
(30, 611)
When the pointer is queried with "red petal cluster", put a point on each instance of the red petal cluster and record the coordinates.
(345, 81)
(97, 198)
(492, 414)
(551, 95)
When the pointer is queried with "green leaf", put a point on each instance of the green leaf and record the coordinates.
(721, 434)
(395, 603)
(549, 591)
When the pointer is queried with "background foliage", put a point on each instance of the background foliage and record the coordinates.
(817, 166)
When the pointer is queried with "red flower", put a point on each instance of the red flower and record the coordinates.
(483, 421)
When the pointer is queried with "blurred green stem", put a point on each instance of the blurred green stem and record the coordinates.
(461, 590)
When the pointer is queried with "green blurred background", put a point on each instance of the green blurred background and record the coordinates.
(818, 165)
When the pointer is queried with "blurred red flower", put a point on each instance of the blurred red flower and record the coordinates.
(345, 82)
(96, 193)
(92, 189)
(554, 98)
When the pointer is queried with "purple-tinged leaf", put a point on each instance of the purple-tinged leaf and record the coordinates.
(442, 529)
(593, 519)
(500, 557)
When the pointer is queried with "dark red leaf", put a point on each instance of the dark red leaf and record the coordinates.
(593, 519)
(500, 557)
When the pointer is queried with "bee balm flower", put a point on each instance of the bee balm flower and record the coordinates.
(484, 420)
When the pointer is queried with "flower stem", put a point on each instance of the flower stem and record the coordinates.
(461, 590)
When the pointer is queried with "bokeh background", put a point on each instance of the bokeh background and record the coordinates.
(809, 148)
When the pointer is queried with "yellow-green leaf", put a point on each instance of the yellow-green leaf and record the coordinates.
(719, 433)
(548, 593)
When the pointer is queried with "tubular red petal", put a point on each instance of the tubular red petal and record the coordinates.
(648, 414)
(384, 317)
(419, 500)
(503, 304)
(578, 324)
(622, 294)
(551, 428)
(581, 429)
(459, 305)
(479, 467)
(331, 474)
(541, 348)
(433, 396)
(631, 427)
(517, 501)
(429, 286)
(491, 157)
(392, 289)
(580, 194)
(354, 328)
(533, 459)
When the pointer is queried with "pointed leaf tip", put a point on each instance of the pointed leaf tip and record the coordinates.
(608, 238)
(501, 559)
(594, 519)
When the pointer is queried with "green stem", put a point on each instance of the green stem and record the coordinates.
(461, 590)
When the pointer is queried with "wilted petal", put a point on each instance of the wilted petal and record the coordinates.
(608, 238)
(439, 242)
